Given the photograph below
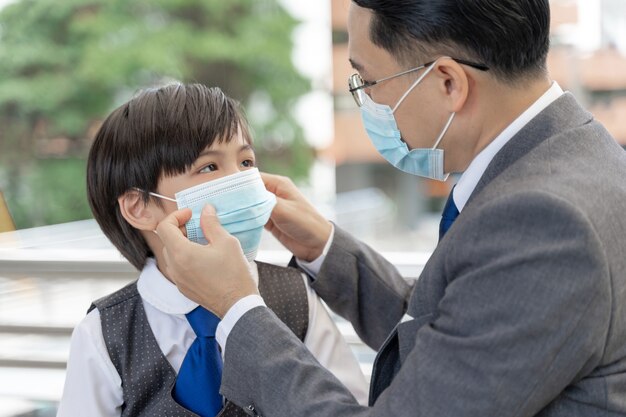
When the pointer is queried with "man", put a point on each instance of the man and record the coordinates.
(520, 310)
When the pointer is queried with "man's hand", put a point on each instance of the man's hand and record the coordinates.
(295, 222)
(217, 275)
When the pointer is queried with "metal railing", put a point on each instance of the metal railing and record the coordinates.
(48, 278)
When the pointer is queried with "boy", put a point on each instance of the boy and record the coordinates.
(177, 146)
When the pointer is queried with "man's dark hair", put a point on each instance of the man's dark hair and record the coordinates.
(511, 37)
(160, 132)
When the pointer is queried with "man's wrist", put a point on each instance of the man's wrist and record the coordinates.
(326, 236)
(231, 298)
(232, 316)
(313, 267)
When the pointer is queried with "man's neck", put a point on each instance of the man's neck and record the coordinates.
(502, 105)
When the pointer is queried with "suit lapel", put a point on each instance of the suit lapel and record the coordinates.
(564, 114)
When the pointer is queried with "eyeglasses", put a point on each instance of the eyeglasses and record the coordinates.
(356, 85)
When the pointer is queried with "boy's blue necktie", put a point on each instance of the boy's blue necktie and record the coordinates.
(198, 382)
(450, 213)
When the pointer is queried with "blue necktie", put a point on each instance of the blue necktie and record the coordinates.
(198, 382)
(450, 213)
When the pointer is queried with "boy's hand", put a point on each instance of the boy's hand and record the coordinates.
(294, 221)
(216, 275)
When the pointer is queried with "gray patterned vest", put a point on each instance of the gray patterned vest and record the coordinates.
(147, 376)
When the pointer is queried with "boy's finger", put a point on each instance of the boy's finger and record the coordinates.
(210, 224)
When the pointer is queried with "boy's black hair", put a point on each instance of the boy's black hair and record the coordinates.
(160, 132)
(511, 37)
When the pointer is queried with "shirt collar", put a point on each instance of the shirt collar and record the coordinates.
(162, 294)
(468, 181)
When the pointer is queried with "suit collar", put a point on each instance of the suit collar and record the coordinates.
(468, 181)
(563, 114)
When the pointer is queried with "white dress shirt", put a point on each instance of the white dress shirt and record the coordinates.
(93, 386)
(462, 192)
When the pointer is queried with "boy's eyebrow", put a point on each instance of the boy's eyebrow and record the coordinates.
(246, 147)
(209, 152)
(206, 152)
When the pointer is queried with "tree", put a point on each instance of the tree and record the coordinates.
(65, 64)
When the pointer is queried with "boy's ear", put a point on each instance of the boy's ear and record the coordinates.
(136, 212)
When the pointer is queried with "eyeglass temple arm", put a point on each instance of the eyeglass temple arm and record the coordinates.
(480, 67)
(368, 84)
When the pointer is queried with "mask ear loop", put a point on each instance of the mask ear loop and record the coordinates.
(156, 195)
(415, 84)
(163, 197)
(159, 196)
(445, 130)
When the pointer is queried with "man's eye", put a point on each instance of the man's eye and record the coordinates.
(248, 163)
(209, 168)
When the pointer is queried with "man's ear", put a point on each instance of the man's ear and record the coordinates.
(454, 83)
(136, 211)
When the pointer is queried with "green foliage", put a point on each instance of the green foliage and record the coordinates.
(64, 64)
(50, 194)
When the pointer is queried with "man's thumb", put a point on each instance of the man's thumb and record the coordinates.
(210, 224)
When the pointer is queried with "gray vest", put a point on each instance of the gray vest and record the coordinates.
(147, 376)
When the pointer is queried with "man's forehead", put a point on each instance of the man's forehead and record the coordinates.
(358, 36)
(365, 57)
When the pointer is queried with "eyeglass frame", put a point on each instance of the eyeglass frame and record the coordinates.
(355, 89)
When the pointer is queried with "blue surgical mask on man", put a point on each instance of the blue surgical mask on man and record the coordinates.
(241, 201)
(381, 127)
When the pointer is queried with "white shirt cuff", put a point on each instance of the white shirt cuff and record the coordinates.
(313, 268)
(233, 315)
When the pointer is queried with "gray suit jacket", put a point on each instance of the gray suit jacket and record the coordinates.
(520, 311)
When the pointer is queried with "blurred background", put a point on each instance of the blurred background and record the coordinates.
(65, 64)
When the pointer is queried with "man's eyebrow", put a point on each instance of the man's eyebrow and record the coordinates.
(356, 65)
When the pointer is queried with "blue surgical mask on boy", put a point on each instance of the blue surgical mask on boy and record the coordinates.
(242, 203)
(383, 131)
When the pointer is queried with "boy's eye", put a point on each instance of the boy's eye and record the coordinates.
(209, 168)
(248, 163)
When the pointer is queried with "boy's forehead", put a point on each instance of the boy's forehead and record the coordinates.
(238, 140)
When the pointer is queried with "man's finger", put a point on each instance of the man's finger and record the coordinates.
(210, 224)
(272, 182)
(168, 272)
(169, 229)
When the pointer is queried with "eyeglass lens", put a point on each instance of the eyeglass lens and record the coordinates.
(354, 83)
